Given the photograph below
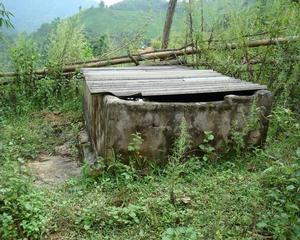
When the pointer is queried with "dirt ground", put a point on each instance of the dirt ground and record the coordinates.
(54, 169)
(61, 163)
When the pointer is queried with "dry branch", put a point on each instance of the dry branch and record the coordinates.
(161, 55)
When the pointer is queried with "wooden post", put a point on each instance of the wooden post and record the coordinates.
(202, 16)
(168, 24)
(190, 20)
(190, 26)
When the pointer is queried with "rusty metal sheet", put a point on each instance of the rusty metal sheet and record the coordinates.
(161, 80)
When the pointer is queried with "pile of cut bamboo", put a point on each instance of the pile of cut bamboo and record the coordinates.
(157, 55)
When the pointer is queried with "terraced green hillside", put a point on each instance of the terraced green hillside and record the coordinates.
(125, 22)
(122, 21)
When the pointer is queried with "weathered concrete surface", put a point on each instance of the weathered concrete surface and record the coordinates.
(86, 151)
(111, 121)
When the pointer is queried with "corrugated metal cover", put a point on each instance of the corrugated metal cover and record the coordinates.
(159, 81)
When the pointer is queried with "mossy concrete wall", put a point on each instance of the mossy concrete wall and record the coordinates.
(112, 121)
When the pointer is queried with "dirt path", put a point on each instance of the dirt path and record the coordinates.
(61, 163)
(54, 169)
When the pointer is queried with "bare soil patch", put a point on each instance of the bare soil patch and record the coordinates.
(61, 163)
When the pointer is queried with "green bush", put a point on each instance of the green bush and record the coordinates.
(24, 58)
(67, 44)
(23, 208)
(282, 188)
(180, 233)
(45, 94)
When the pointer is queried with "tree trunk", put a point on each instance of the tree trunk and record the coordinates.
(168, 24)
(202, 16)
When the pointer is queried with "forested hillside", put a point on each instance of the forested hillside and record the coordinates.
(153, 5)
(118, 22)
(124, 20)
(30, 14)
(54, 187)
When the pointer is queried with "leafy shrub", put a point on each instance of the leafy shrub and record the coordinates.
(182, 144)
(206, 147)
(23, 208)
(67, 44)
(282, 186)
(136, 160)
(100, 45)
(24, 58)
(284, 122)
(180, 233)
(281, 179)
(91, 216)
(44, 94)
(98, 214)
(125, 215)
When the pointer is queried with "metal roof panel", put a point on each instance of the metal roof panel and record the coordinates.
(161, 80)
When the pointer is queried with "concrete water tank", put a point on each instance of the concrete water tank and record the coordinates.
(153, 101)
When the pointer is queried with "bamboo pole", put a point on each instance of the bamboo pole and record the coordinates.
(264, 42)
(257, 43)
(160, 55)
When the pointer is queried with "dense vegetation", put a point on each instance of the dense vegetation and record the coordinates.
(124, 21)
(253, 194)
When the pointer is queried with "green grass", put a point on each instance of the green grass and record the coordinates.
(250, 196)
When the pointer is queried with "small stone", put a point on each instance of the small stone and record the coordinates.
(186, 200)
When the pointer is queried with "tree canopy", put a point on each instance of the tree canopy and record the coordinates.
(5, 17)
